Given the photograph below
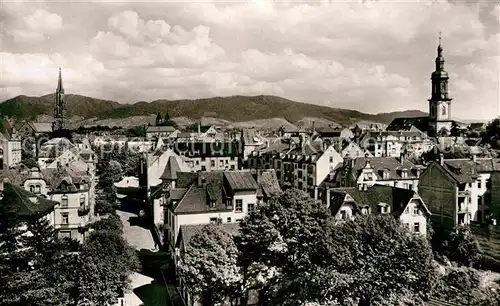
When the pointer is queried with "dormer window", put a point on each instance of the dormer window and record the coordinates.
(383, 208)
(364, 210)
(343, 215)
(404, 173)
(212, 204)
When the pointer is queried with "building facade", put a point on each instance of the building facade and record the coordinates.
(459, 191)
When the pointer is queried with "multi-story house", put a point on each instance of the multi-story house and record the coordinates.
(353, 150)
(72, 190)
(161, 131)
(459, 191)
(10, 149)
(36, 129)
(404, 204)
(251, 141)
(396, 143)
(209, 156)
(211, 197)
(303, 166)
(364, 172)
(334, 136)
(28, 204)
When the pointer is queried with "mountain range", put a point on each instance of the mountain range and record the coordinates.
(230, 109)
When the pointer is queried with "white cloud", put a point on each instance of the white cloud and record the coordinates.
(36, 27)
(370, 56)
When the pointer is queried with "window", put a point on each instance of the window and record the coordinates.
(331, 159)
(213, 220)
(32, 189)
(64, 218)
(203, 168)
(203, 158)
(343, 215)
(82, 200)
(299, 185)
(406, 225)
(64, 202)
(364, 210)
(444, 111)
(251, 206)
(212, 163)
(239, 205)
(416, 211)
(232, 167)
(479, 184)
(228, 219)
(416, 227)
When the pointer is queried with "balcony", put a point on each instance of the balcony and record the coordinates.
(463, 208)
(463, 193)
(83, 210)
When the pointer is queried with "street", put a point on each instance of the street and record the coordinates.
(138, 238)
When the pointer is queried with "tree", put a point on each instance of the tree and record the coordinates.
(158, 120)
(209, 266)
(457, 245)
(277, 239)
(42, 246)
(492, 133)
(301, 255)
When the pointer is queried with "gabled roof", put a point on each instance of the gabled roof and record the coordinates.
(392, 164)
(397, 198)
(466, 170)
(41, 127)
(55, 177)
(269, 184)
(241, 180)
(160, 128)
(406, 123)
(195, 200)
(187, 232)
(26, 203)
(171, 169)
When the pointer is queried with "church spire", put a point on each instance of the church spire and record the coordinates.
(60, 88)
(440, 58)
(59, 107)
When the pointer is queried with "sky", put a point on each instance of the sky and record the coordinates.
(372, 56)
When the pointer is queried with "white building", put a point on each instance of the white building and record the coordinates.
(10, 150)
(404, 204)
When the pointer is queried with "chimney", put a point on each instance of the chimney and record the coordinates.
(441, 159)
(365, 187)
(199, 127)
(474, 157)
(313, 127)
(328, 198)
(316, 192)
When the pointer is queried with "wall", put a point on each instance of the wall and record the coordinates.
(326, 163)
(408, 216)
(74, 220)
(196, 164)
(438, 191)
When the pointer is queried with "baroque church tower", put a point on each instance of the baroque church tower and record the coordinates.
(59, 107)
(440, 102)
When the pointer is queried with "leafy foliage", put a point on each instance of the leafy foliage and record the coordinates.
(492, 134)
(292, 249)
(209, 266)
(458, 245)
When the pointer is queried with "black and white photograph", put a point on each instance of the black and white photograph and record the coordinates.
(250, 153)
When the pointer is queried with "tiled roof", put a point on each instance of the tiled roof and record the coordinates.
(275, 146)
(55, 177)
(177, 193)
(155, 129)
(241, 180)
(466, 170)
(42, 127)
(187, 232)
(195, 200)
(385, 163)
(405, 124)
(397, 198)
(328, 132)
(185, 179)
(171, 169)
(269, 183)
(27, 203)
(397, 134)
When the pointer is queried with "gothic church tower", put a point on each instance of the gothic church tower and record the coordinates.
(440, 102)
(59, 107)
